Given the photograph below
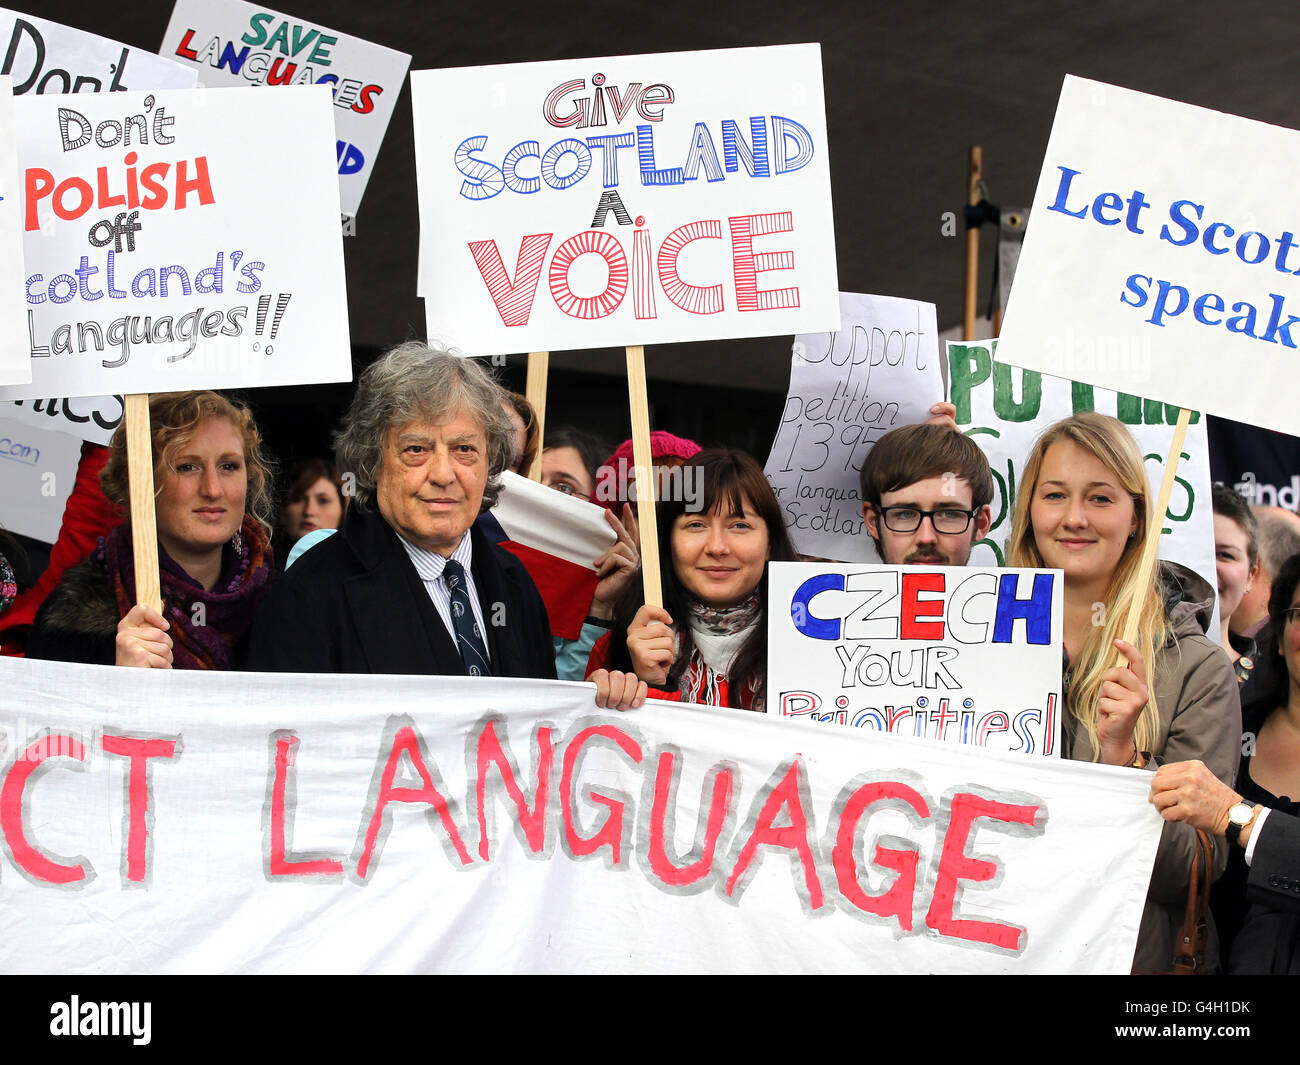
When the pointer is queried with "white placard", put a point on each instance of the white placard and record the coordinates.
(230, 42)
(90, 418)
(227, 822)
(37, 471)
(1161, 256)
(625, 200)
(847, 389)
(1004, 409)
(46, 57)
(957, 653)
(204, 254)
(15, 364)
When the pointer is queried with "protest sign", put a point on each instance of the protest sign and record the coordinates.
(1161, 256)
(230, 42)
(90, 418)
(962, 654)
(881, 370)
(37, 471)
(218, 273)
(1004, 409)
(625, 200)
(15, 364)
(301, 823)
(45, 57)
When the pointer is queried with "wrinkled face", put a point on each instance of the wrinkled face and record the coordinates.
(925, 545)
(564, 470)
(1082, 517)
(201, 504)
(431, 481)
(318, 508)
(719, 558)
(1231, 563)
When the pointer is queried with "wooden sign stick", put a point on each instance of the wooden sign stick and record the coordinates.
(144, 530)
(645, 493)
(974, 173)
(1152, 543)
(535, 390)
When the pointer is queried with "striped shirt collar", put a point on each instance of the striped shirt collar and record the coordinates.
(429, 564)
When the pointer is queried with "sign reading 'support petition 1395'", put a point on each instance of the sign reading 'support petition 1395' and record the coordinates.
(184, 239)
(625, 200)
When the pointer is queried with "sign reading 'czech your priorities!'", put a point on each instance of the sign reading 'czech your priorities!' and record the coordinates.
(179, 240)
(1162, 256)
(630, 200)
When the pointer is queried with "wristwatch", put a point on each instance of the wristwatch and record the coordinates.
(1239, 816)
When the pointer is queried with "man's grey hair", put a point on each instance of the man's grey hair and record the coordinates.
(414, 382)
(1279, 538)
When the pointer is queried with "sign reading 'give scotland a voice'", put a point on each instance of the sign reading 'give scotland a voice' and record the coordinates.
(960, 654)
(625, 200)
(184, 239)
(1162, 258)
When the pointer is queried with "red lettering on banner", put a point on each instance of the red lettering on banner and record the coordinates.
(533, 822)
(719, 805)
(513, 299)
(747, 264)
(897, 901)
(12, 797)
(279, 864)
(955, 865)
(610, 833)
(913, 609)
(138, 791)
(784, 795)
(697, 299)
(589, 242)
(184, 50)
(406, 742)
(73, 196)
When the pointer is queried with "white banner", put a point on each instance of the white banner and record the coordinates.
(958, 653)
(45, 57)
(625, 200)
(161, 822)
(847, 389)
(15, 363)
(1003, 409)
(1161, 256)
(234, 43)
(159, 258)
(37, 470)
(90, 418)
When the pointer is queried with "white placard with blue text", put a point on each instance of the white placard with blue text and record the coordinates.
(170, 261)
(15, 365)
(961, 654)
(625, 200)
(1162, 256)
(37, 471)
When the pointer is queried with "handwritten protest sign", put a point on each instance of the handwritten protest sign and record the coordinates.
(961, 654)
(234, 43)
(1003, 409)
(879, 371)
(15, 365)
(45, 57)
(159, 257)
(295, 823)
(1161, 256)
(90, 418)
(625, 200)
(37, 471)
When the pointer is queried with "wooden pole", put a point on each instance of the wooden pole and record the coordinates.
(973, 175)
(1152, 543)
(640, 406)
(144, 531)
(535, 390)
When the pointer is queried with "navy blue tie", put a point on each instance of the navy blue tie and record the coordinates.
(469, 639)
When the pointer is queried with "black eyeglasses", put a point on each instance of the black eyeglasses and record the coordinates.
(567, 489)
(946, 520)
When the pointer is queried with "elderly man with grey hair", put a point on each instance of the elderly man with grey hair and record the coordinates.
(410, 584)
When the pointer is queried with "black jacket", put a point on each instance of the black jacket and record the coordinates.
(354, 604)
(1269, 940)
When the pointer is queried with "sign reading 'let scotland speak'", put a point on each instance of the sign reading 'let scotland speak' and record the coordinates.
(625, 200)
(1162, 258)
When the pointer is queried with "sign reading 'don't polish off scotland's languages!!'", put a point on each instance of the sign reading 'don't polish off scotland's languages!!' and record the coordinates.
(1162, 256)
(177, 240)
(626, 200)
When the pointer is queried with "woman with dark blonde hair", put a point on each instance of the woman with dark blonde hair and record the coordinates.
(1084, 507)
(213, 508)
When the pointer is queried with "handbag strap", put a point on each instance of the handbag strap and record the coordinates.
(1193, 937)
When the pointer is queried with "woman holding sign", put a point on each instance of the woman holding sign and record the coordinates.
(1085, 508)
(213, 509)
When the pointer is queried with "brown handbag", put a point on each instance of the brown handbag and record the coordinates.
(1193, 937)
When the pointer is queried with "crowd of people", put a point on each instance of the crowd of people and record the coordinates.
(386, 560)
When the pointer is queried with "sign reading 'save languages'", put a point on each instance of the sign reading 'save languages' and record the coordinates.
(625, 200)
(158, 258)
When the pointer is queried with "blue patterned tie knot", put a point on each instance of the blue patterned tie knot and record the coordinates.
(469, 637)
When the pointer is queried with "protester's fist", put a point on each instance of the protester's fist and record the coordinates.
(650, 644)
(142, 639)
(616, 690)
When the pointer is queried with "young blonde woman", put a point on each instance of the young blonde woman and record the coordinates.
(1084, 508)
